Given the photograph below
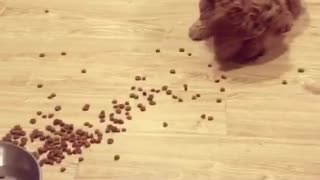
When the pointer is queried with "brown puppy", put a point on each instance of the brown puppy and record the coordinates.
(239, 27)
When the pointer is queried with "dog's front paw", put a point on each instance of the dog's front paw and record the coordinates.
(198, 31)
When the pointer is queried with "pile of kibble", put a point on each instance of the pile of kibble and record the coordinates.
(60, 139)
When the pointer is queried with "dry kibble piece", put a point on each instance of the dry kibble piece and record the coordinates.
(143, 78)
(118, 111)
(209, 65)
(50, 115)
(63, 169)
(128, 108)
(39, 113)
(164, 88)
(152, 103)
(46, 11)
(180, 100)
(83, 71)
(189, 54)
(63, 53)
(138, 78)
(114, 101)
(169, 92)
(33, 121)
(157, 50)
(44, 116)
(300, 70)
(223, 77)
(39, 85)
(110, 141)
(181, 50)
(174, 97)
(86, 124)
(132, 95)
(116, 157)
(143, 108)
(210, 118)
(57, 108)
(217, 81)
(164, 124)
(172, 71)
(129, 117)
(144, 93)
(194, 97)
(124, 130)
(284, 82)
(121, 106)
(198, 95)
(203, 116)
(219, 100)
(222, 89)
(185, 87)
(86, 107)
(42, 55)
(80, 159)
(102, 114)
(140, 89)
(133, 88)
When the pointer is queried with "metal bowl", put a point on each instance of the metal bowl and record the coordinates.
(17, 164)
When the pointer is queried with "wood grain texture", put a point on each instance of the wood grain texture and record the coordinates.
(262, 130)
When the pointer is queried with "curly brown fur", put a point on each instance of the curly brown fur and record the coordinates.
(243, 24)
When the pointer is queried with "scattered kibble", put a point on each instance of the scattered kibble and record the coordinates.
(189, 54)
(110, 141)
(44, 116)
(301, 70)
(219, 100)
(116, 157)
(57, 108)
(181, 50)
(203, 116)
(157, 50)
(209, 65)
(143, 78)
(174, 97)
(114, 101)
(223, 77)
(39, 85)
(86, 107)
(46, 11)
(172, 71)
(185, 87)
(102, 114)
(180, 100)
(63, 53)
(164, 88)
(80, 159)
(194, 97)
(42, 55)
(63, 169)
(210, 118)
(138, 78)
(198, 95)
(222, 89)
(133, 88)
(33, 121)
(39, 113)
(169, 92)
(83, 71)
(165, 124)
(284, 82)
(217, 81)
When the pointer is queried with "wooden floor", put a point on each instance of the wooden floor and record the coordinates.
(262, 129)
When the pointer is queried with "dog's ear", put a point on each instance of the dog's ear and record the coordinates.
(295, 7)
